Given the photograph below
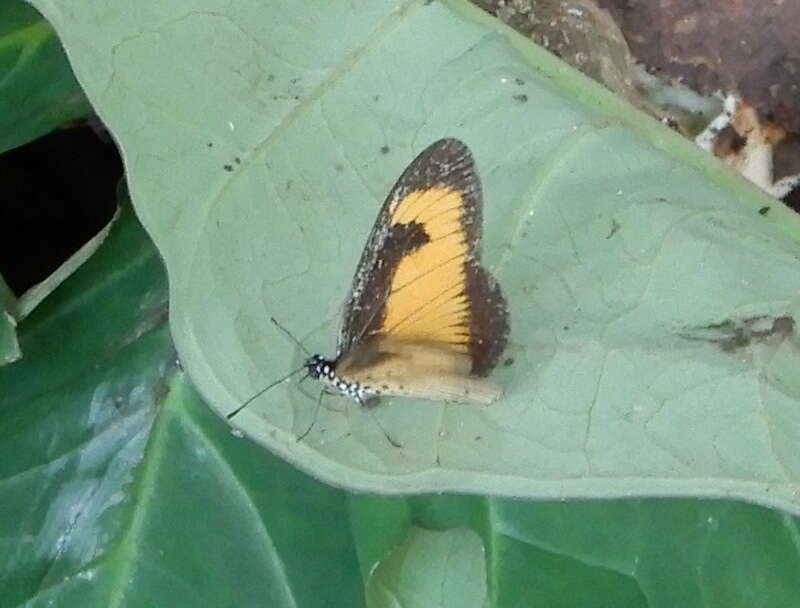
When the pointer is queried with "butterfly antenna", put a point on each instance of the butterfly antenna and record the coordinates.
(264, 390)
(291, 337)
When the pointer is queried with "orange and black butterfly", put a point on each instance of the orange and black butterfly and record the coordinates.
(423, 319)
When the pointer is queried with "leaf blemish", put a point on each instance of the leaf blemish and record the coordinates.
(734, 334)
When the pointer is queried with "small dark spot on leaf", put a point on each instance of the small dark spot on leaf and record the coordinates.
(227, 167)
(339, 167)
(270, 77)
(519, 81)
(764, 210)
(478, 437)
(509, 361)
(783, 326)
(614, 228)
(289, 184)
(210, 144)
(376, 98)
(520, 98)
(237, 160)
(384, 149)
(566, 328)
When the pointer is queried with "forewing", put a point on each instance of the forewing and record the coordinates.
(419, 277)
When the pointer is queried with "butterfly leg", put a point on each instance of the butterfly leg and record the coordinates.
(369, 405)
(313, 419)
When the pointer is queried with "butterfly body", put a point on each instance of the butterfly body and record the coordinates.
(324, 370)
(423, 319)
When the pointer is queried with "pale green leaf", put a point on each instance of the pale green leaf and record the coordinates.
(652, 306)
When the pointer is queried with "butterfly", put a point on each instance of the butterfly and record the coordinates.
(423, 318)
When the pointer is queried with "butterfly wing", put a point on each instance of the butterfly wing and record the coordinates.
(419, 279)
(410, 368)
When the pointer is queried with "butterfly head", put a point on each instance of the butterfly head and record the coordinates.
(318, 367)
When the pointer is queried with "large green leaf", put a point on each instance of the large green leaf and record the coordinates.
(637, 553)
(652, 306)
(38, 91)
(75, 415)
(119, 487)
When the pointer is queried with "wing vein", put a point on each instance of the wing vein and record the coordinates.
(425, 274)
(424, 306)
(421, 211)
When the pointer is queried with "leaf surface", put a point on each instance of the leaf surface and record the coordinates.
(652, 307)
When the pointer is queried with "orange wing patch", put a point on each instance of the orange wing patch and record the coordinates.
(427, 299)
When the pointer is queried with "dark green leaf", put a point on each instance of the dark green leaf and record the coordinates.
(38, 91)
